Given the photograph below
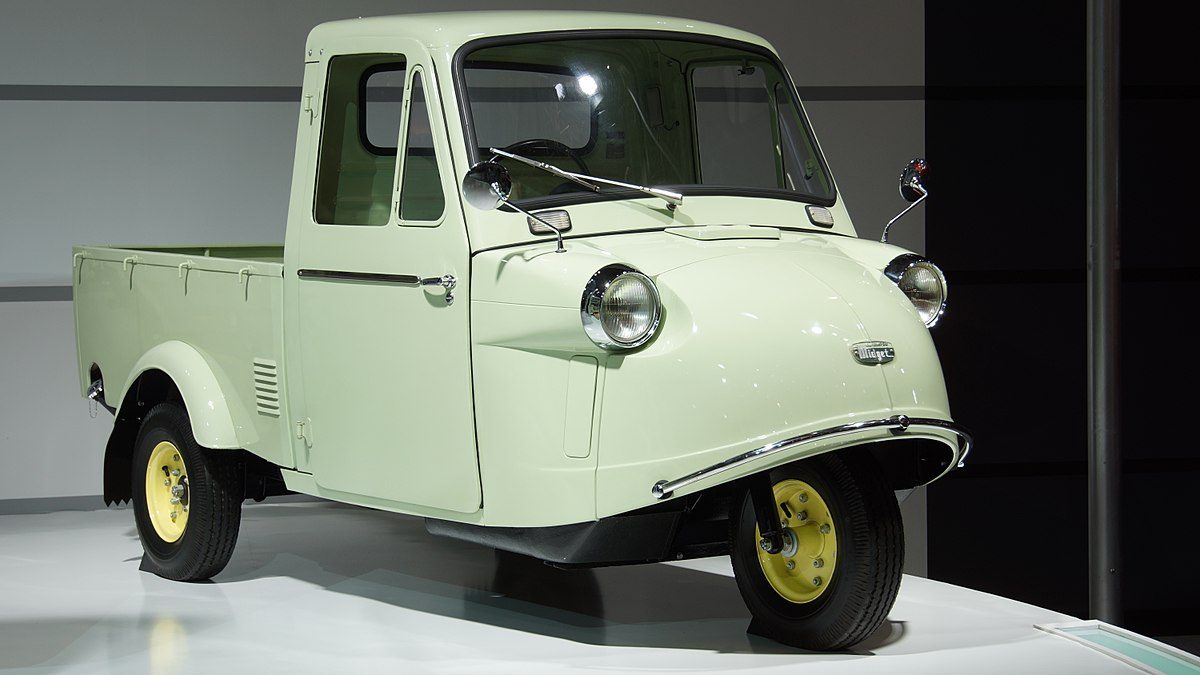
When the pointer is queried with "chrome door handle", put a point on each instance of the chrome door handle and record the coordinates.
(446, 281)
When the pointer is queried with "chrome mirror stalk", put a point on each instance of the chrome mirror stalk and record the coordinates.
(912, 189)
(488, 184)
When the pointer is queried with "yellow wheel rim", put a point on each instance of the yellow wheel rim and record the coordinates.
(802, 571)
(167, 492)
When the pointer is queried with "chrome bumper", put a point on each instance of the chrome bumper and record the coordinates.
(898, 424)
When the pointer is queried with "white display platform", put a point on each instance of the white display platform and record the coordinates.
(323, 588)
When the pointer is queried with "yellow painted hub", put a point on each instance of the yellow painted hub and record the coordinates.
(804, 568)
(167, 492)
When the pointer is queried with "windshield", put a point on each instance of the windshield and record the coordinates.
(698, 117)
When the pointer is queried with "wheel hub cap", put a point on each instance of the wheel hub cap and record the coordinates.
(803, 569)
(167, 493)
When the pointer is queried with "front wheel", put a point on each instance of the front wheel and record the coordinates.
(187, 501)
(837, 576)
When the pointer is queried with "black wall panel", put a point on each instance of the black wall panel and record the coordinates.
(1006, 135)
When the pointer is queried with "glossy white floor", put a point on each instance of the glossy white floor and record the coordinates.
(322, 588)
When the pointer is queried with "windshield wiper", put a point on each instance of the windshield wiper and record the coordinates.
(672, 199)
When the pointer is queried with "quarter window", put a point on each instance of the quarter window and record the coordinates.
(421, 195)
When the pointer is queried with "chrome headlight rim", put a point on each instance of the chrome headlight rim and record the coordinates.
(902, 265)
(592, 302)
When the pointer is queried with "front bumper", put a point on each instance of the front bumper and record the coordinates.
(897, 424)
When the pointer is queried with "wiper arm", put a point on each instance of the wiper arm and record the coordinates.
(574, 178)
(672, 198)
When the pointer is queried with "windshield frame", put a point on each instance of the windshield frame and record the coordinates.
(567, 199)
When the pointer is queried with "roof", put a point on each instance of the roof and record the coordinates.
(450, 30)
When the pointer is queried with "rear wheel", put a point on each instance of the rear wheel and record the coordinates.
(187, 501)
(837, 576)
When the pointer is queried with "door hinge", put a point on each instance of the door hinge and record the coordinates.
(304, 431)
(309, 109)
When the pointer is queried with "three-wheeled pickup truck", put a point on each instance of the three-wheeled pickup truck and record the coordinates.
(577, 286)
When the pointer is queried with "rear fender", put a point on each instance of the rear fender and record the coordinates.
(171, 371)
(206, 404)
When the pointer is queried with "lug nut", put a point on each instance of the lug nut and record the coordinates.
(177, 457)
(818, 563)
(803, 497)
(764, 544)
(174, 472)
(173, 514)
(803, 515)
(167, 482)
(791, 564)
(174, 500)
(816, 581)
(825, 529)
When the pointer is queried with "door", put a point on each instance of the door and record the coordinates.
(385, 359)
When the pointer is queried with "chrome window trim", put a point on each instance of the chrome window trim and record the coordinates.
(897, 424)
(593, 295)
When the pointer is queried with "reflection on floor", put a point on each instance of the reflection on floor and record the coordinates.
(317, 587)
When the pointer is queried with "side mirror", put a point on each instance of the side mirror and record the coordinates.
(912, 189)
(912, 180)
(487, 185)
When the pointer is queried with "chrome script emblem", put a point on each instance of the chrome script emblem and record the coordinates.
(873, 352)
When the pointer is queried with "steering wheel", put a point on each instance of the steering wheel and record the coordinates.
(548, 146)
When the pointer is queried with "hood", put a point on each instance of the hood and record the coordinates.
(756, 347)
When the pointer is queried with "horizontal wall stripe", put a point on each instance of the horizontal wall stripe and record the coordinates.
(34, 293)
(10, 507)
(1075, 467)
(73, 92)
(863, 93)
(1136, 275)
(277, 94)
(964, 277)
(33, 505)
(270, 94)
(1057, 92)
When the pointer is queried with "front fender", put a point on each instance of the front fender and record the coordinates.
(203, 396)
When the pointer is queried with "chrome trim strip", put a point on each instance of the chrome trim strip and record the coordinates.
(339, 275)
(446, 281)
(898, 424)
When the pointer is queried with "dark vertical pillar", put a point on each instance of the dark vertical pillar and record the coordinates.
(1103, 295)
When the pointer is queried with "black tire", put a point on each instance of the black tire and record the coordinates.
(215, 489)
(870, 556)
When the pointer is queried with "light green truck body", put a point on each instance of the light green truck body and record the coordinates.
(496, 409)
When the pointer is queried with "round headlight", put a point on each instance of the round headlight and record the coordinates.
(620, 308)
(923, 283)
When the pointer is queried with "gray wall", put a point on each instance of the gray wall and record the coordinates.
(167, 122)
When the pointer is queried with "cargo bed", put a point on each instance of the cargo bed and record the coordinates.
(225, 302)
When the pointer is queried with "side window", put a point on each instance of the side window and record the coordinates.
(801, 169)
(421, 195)
(357, 163)
(733, 126)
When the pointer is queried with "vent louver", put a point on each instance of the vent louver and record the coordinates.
(266, 387)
